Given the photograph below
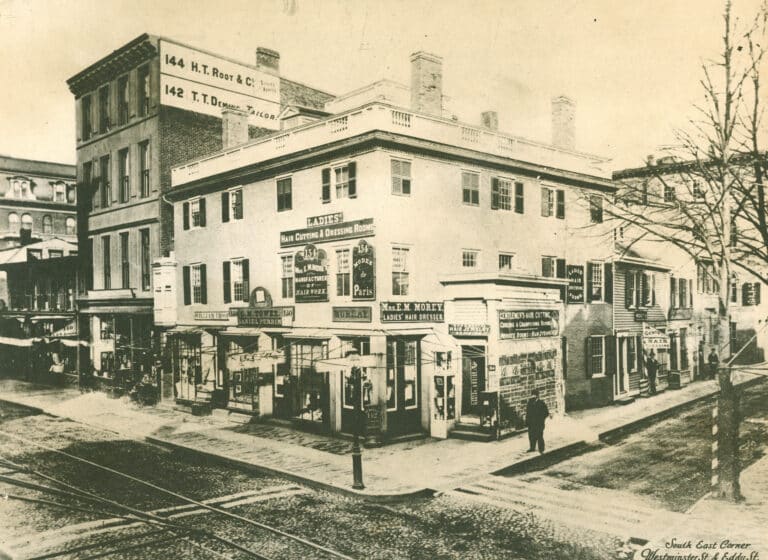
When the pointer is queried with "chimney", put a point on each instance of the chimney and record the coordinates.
(490, 120)
(234, 127)
(427, 83)
(268, 60)
(564, 122)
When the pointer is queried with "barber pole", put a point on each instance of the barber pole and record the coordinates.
(715, 481)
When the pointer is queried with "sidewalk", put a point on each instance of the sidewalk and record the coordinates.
(391, 472)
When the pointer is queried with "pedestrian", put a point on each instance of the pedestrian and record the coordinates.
(713, 363)
(535, 415)
(651, 367)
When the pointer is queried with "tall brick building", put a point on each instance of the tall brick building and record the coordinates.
(151, 104)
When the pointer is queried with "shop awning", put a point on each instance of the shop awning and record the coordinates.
(20, 342)
(116, 310)
(185, 329)
(300, 332)
(36, 318)
(240, 331)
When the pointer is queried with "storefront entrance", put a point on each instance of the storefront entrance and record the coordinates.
(403, 385)
(301, 386)
(472, 377)
(241, 376)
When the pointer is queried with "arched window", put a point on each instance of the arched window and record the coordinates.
(47, 224)
(13, 222)
(69, 224)
(59, 192)
(26, 222)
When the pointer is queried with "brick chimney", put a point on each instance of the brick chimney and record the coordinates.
(268, 60)
(427, 83)
(490, 120)
(234, 127)
(564, 122)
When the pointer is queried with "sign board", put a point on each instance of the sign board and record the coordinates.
(70, 329)
(641, 315)
(352, 314)
(211, 315)
(325, 220)
(575, 290)
(197, 81)
(363, 271)
(468, 329)
(412, 312)
(326, 234)
(654, 339)
(310, 267)
(265, 316)
(533, 323)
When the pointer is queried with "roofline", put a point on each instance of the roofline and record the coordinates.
(71, 166)
(130, 44)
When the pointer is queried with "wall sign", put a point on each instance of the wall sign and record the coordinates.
(363, 271)
(310, 267)
(352, 314)
(265, 316)
(528, 324)
(641, 315)
(654, 339)
(468, 329)
(260, 297)
(204, 83)
(325, 220)
(211, 315)
(575, 290)
(412, 312)
(325, 234)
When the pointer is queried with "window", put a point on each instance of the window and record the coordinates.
(70, 226)
(55, 253)
(146, 258)
(547, 202)
(36, 254)
(124, 175)
(501, 194)
(105, 182)
(342, 272)
(669, 193)
(26, 222)
(400, 274)
(734, 291)
(470, 188)
(640, 289)
(401, 177)
(596, 209)
(706, 281)
(236, 198)
(284, 194)
(560, 207)
(548, 265)
(286, 262)
(198, 283)
(47, 224)
(683, 348)
(505, 262)
(59, 192)
(143, 88)
(236, 280)
(519, 198)
(13, 222)
(595, 281)
(122, 100)
(345, 181)
(144, 165)
(104, 123)
(698, 192)
(125, 260)
(469, 258)
(87, 180)
(106, 259)
(596, 355)
(86, 117)
(193, 212)
(341, 180)
(683, 293)
(632, 353)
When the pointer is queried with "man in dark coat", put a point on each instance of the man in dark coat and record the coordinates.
(535, 414)
(651, 368)
(714, 361)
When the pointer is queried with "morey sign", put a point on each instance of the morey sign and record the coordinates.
(327, 233)
(412, 312)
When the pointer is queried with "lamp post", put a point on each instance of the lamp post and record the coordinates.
(357, 460)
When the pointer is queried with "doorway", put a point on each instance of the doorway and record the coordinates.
(621, 379)
(473, 378)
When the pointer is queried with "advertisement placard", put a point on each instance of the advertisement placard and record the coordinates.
(310, 267)
(363, 271)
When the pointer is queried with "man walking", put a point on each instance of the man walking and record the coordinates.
(713, 362)
(535, 415)
(651, 368)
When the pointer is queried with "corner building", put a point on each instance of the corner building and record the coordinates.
(435, 249)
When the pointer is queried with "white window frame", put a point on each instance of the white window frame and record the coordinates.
(553, 260)
(549, 194)
(601, 267)
(340, 188)
(592, 371)
(196, 283)
(404, 271)
(236, 265)
(194, 203)
(286, 258)
(471, 188)
(470, 258)
(398, 177)
(505, 196)
(347, 271)
(232, 195)
(511, 260)
(278, 181)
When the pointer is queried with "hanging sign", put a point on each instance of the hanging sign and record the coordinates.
(363, 271)
(468, 329)
(575, 291)
(534, 323)
(654, 339)
(311, 274)
(70, 329)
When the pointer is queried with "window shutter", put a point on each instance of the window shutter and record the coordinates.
(203, 285)
(745, 293)
(352, 167)
(608, 279)
(494, 193)
(246, 279)
(610, 355)
(690, 293)
(187, 291)
(225, 206)
(589, 282)
(629, 288)
(544, 202)
(519, 198)
(646, 288)
(561, 204)
(202, 212)
(185, 211)
(560, 268)
(588, 356)
(672, 293)
(327, 184)
(227, 282)
(653, 289)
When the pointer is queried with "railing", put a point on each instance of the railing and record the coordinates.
(382, 116)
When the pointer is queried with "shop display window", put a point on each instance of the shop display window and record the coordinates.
(366, 388)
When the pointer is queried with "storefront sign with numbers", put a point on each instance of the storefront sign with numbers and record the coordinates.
(311, 275)
(412, 312)
(363, 271)
(533, 323)
(265, 316)
(575, 274)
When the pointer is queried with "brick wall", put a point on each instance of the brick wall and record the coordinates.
(292, 93)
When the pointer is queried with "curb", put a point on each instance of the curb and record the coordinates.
(539, 462)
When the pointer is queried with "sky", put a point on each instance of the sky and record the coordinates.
(633, 68)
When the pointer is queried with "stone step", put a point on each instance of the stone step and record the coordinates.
(471, 434)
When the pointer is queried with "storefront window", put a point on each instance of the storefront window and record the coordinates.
(366, 389)
(187, 366)
(242, 375)
(683, 349)
(107, 328)
(391, 389)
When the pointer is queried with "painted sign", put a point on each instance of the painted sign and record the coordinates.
(265, 316)
(468, 329)
(70, 329)
(533, 323)
(204, 83)
(575, 275)
(325, 220)
(641, 315)
(326, 234)
(352, 314)
(412, 312)
(363, 271)
(654, 339)
(211, 315)
(310, 267)
(260, 297)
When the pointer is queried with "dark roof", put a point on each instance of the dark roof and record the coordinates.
(35, 167)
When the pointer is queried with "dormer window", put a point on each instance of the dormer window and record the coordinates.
(20, 187)
(59, 192)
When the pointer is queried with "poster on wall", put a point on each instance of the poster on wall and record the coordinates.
(575, 274)
(311, 273)
(534, 323)
(363, 271)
